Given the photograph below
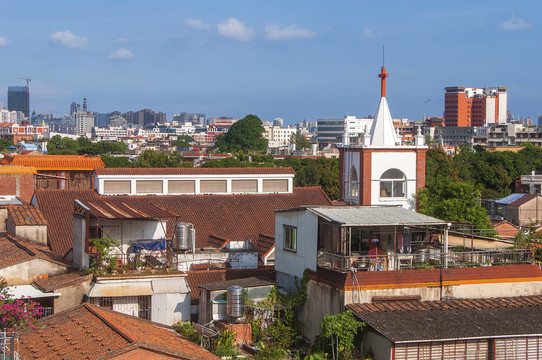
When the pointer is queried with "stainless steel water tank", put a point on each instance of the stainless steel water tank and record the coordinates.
(236, 301)
(182, 237)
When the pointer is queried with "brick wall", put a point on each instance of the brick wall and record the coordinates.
(243, 332)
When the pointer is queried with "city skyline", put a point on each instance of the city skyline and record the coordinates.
(297, 61)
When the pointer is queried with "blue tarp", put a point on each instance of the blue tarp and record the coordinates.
(153, 245)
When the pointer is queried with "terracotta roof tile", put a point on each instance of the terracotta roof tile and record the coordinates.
(234, 217)
(26, 215)
(91, 332)
(60, 281)
(55, 162)
(193, 171)
(15, 251)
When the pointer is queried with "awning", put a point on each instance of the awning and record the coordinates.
(120, 289)
(29, 291)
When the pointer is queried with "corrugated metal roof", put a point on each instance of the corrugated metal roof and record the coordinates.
(508, 199)
(373, 216)
(29, 291)
(124, 209)
(120, 289)
(175, 285)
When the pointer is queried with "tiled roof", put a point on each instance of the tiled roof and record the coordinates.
(522, 200)
(402, 321)
(60, 281)
(124, 209)
(15, 251)
(55, 162)
(26, 215)
(194, 171)
(266, 243)
(90, 332)
(197, 278)
(234, 217)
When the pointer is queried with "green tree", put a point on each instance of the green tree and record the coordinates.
(154, 159)
(113, 161)
(341, 329)
(300, 141)
(4, 144)
(243, 135)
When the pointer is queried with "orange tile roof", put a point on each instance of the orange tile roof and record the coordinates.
(26, 215)
(194, 171)
(90, 332)
(234, 217)
(15, 251)
(55, 162)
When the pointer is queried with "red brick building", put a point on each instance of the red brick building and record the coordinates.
(475, 107)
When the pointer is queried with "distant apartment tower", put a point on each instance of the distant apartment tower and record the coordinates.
(331, 131)
(74, 107)
(19, 99)
(84, 121)
(465, 106)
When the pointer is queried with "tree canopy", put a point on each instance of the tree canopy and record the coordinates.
(66, 146)
(243, 135)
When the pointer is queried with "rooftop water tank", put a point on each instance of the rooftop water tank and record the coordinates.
(181, 240)
(236, 301)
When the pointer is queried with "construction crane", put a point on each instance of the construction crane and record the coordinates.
(27, 79)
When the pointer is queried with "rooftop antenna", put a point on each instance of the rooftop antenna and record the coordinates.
(383, 58)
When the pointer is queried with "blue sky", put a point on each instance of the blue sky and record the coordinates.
(291, 59)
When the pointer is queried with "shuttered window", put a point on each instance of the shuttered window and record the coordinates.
(149, 187)
(212, 186)
(181, 186)
(448, 350)
(271, 186)
(117, 187)
(518, 348)
(244, 186)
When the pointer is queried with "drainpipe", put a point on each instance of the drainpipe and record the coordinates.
(448, 225)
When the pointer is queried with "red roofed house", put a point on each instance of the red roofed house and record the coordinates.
(91, 332)
(59, 171)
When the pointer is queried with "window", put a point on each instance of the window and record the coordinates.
(354, 183)
(290, 238)
(393, 184)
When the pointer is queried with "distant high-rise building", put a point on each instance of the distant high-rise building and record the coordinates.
(74, 107)
(18, 99)
(475, 106)
(84, 121)
(539, 120)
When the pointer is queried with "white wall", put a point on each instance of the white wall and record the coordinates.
(291, 263)
(168, 309)
(383, 161)
(24, 273)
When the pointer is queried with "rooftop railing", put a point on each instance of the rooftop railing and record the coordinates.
(432, 258)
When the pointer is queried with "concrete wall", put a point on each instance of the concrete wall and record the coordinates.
(24, 273)
(366, 296)
(34, 233)
(127, 231)
(489, 290)
(236, 259)
(168, 309)
(79, 257)
(322, 299)
(3, 219)
(380, 346)
(290, 262)
(71, 296)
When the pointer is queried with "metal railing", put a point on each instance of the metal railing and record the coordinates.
(432, 258)
(9, 345)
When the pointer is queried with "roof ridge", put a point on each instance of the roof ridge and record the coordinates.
(20, 246)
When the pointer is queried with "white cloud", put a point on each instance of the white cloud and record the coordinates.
(120, 54)
(236, 30)
(196, 24)
(514, 23)
(275, 32)
(68, 39)
(367, 33)
(129, 40)
(3, 42)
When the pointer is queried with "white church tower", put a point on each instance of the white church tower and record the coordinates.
(381, 171)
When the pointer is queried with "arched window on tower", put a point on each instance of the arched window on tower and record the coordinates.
(354, 183)
(393, 184)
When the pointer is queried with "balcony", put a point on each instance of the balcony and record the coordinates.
(423, 258)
